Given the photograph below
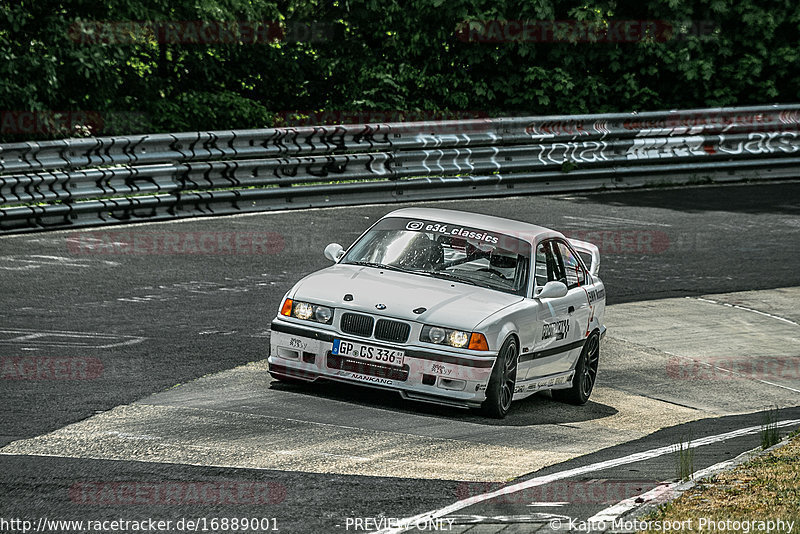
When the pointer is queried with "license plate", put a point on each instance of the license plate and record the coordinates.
(369, 353)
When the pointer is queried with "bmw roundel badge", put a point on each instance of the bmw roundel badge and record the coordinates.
(380, 306)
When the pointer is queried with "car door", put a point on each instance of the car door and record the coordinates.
(578, 306)
(560, 322)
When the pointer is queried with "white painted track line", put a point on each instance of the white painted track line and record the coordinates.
(424, 518)
(660, 493)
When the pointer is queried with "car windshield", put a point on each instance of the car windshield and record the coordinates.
(452, 252)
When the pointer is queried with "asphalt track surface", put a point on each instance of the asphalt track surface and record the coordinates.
(146, 322)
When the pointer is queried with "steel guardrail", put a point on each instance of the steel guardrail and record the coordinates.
(105, 180)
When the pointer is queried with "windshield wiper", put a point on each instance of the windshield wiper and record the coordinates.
(376, 265)
(451, 276)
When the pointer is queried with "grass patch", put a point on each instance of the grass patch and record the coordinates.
(762, 489)
(684, 459)
(769, 429)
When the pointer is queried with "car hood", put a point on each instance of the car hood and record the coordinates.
(447, 303)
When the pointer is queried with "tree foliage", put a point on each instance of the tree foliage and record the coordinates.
(384, 55)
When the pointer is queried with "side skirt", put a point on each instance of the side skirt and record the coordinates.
(530, 386)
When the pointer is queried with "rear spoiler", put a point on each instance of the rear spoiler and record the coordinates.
(587, 248)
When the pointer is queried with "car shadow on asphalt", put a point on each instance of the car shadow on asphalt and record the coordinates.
(538, 409)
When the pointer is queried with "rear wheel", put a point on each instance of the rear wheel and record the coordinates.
(585, 374)
(500, 390)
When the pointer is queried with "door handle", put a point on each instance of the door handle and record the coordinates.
(571, 309)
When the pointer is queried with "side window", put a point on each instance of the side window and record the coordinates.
(548, 268)
(575, 274)
(541, 265)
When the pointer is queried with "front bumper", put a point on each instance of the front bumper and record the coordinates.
(429, 375)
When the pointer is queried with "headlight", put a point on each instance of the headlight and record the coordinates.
(436, 334)
(307, 311)
(323, 314)
(458, 339)
(454, 338)
(303, 310)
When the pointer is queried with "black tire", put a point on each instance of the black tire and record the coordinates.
(500, 390)
(585, 374)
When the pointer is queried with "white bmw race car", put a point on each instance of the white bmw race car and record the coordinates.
(448, 307)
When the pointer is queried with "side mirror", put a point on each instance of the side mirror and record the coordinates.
(334, 252)
(552, 290)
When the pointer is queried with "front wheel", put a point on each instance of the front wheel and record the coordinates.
(585, 374)
(500, 390)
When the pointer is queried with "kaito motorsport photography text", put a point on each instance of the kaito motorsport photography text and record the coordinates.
(698, 524)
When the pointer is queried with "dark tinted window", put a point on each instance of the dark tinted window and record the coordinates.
(573, 269)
